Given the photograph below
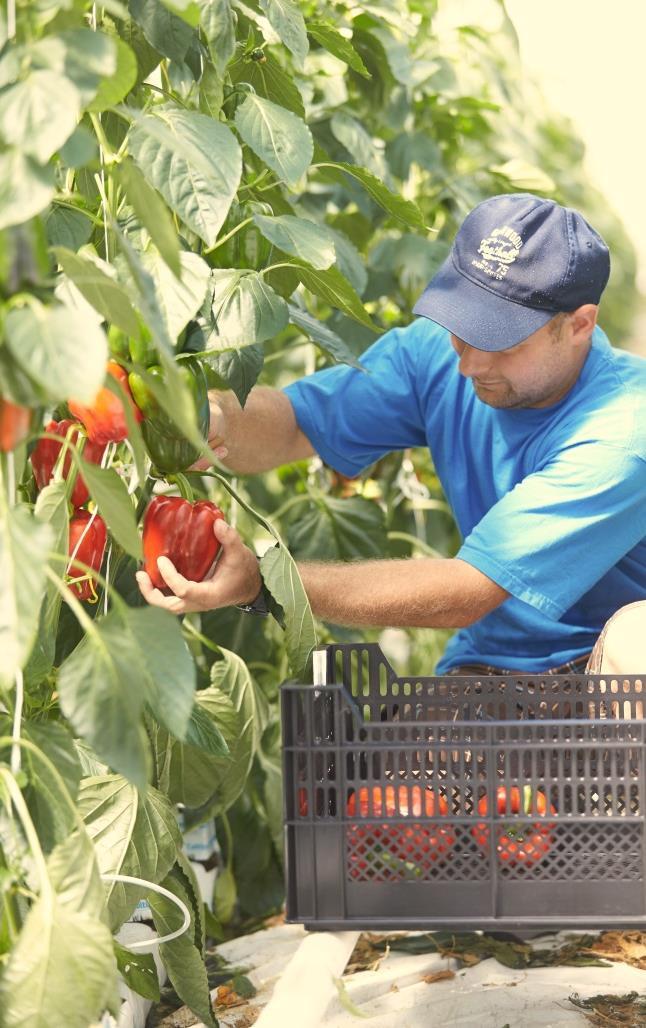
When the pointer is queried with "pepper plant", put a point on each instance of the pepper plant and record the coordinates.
(204, 193)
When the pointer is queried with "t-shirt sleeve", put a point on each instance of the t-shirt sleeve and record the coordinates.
(353, 417)
(557, 532)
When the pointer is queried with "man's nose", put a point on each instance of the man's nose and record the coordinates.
(473, 362)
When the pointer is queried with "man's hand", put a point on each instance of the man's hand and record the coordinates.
(235, 579)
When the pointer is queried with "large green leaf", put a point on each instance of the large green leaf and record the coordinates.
(287, 19)
(269, 79)
(165, 31)
(58, 945)
(323, 336)
(102, 692)
(169, 665)
(339, 529)
(281, 577)
(349, 262)
(80, 55)
(152, 213)
(110, 494)
(238, 369)
(178, 301)
(218, 23)
(114, 88)
(134, 833)
(64, 352)
(281, 139)
(335, 289)
(204, 734)
(175, 151)
(100, 289)
(360, 145)
(39, 113)
(331, 39)
(403, 210)
(25, 188)
(182, 958)
(67, 228)
(24, 548)
(245, 310)
(302, 238)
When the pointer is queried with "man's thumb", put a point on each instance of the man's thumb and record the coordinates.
(223, 533)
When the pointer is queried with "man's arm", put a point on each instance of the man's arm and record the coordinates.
(257, 437)
(413, 593)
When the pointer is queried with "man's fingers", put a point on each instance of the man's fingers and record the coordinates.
(226, 534)
(155, 597)
(180, 585)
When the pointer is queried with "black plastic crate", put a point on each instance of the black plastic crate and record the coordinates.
(392, 787)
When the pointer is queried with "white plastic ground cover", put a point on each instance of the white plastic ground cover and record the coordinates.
(396, 995)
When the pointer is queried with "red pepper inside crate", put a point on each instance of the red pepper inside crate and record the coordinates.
(389, 850)
(521, 843)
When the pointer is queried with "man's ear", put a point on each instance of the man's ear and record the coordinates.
(582, 322)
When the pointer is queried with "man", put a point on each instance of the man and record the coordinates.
(537, 429)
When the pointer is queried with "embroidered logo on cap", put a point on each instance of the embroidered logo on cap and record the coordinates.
(498, 251)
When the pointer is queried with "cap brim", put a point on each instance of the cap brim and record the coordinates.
(477, 316)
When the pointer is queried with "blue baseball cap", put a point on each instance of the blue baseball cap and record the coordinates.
(516, 261)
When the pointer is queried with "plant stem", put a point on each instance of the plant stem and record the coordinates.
(247, 221)
(30, 833)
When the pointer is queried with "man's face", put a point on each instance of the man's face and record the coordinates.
(536, 373)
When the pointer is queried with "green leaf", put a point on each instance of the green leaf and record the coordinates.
(238, 369)
(104, 293)
(332, 287)
(269, 79)
(323, 336)
(61, 350)
(187, 10)
(349, 262)
(117, 86)
(302, 238)
(56, 946)
(138, 971)
(102, 693)
(152, 213)
(39, 113)
(245, 310)
(359, 144)
(525, 176)
(182, 959)
(66, 228)
(56, 742)
(218, 23)
(80, 148)
(287, 19)
(404, 210)
(204, 734)
(165, 31)
(51, 509)
(178, 301)
(134, 833)
(281, 577)
(25, 543)
(169, 666)
(281, 139)
(25, 188)
(174, 150)
(80, 55)
(110, 494)
(73, 872)
(339, 529)
(331, 39)
(225, 895)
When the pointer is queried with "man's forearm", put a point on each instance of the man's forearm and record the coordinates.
(263, 434)
(412, 593)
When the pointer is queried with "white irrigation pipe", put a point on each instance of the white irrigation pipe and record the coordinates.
(146, 943)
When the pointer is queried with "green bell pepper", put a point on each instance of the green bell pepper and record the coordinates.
(168, 449)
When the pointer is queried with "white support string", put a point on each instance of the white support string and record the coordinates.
(146, 943)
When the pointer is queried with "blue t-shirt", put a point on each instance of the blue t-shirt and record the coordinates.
(550, 502)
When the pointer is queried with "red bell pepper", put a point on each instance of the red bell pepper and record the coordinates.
(419, 843)
(183, 532)
(46, 452)
(14, 424)
(105, 421)
(91, 547)
(521, 843)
